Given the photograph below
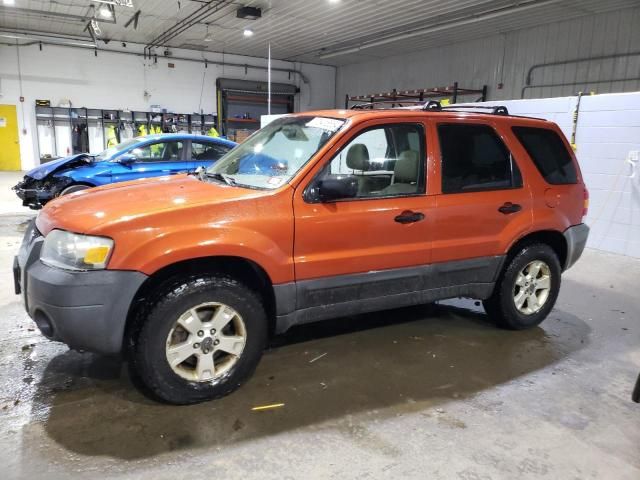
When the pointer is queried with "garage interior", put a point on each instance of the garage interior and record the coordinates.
(433, 391)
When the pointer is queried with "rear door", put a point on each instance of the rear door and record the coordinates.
(166, 157)
(483, 204)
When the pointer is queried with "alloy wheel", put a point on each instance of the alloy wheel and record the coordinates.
(532, 287)
(205, 342)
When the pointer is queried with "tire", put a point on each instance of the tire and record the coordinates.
(74, 188)
(148, 346)
(501, 306)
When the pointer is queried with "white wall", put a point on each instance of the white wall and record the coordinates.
(118, 81)
(505, 58)
(607, 136)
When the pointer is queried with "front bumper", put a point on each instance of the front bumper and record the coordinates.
(576, 238)
(85, 310)
(36, 193)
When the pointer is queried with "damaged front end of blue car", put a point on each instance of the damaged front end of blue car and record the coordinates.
(40, 185)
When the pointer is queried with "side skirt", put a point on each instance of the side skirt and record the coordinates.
(312, 300)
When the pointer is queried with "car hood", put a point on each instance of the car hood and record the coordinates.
(99, 209)
(48, 168)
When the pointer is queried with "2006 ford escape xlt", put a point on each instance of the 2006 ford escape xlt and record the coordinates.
(317, 215)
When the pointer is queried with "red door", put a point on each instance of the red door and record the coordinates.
(388, 225)
(482, 206)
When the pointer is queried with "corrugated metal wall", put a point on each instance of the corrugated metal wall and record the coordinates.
(506, 58)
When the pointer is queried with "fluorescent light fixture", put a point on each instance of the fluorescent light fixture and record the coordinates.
(9, 2)
(247, 32)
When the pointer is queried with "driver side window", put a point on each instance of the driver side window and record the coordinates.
(158, 152)
(385, 161)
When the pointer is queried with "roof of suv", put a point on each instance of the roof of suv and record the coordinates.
(362, 114)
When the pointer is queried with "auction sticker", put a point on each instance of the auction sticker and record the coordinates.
(329, 124)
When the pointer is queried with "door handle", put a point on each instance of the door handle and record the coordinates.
(409, 217)
(509, 207)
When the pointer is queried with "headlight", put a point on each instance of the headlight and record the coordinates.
(73, 251)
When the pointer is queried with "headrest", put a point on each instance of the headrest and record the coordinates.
(406, 168)
(358, 157)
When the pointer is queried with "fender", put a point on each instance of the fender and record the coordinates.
(157, 252)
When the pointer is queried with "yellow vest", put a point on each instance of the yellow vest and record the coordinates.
(112, 137)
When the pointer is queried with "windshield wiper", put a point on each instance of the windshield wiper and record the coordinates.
(221, 176)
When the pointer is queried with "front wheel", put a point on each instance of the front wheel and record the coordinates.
(201, 340)
(527, 289)
(74, 188)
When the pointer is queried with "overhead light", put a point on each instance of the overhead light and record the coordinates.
(117, 3)
(249, 13)
(9, 2)
(334, 1)
(105, 12)
(208, 37)
(247, 32)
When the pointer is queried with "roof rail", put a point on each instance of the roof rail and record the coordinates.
(493, 109)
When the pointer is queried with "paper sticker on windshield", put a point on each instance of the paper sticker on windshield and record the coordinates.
(329, 124)
(275, 181)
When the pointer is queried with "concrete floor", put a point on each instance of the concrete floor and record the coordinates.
(431, 392)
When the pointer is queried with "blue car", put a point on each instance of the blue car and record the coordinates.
(141, 157)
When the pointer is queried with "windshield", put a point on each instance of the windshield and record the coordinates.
(111, 151)
(274, 154)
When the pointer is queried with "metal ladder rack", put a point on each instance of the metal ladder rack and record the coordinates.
(413, 97)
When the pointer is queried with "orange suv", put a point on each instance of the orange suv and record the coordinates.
(317, 215)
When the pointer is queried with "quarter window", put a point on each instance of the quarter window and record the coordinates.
(549, 154)
(386, 161)
(474, 158)
(208, 151)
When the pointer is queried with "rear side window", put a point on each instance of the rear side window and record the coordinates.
(548, 152)
(474, 158)
(208, 151)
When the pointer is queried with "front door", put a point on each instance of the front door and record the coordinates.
(152, 160)
(483, 204)
(9, 141)
(364, 246)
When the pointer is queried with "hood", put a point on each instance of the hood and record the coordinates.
(48, 168)
(135, 202)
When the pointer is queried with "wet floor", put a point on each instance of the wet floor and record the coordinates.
(425, 392)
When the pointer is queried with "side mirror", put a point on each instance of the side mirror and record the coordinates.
(337, 187)
(126, 159)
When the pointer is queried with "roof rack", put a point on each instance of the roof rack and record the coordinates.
(415, 97)
(493, 109)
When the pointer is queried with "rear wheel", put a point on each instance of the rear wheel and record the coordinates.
(527, 289)
(201, 340)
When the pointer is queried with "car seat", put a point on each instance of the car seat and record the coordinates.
(405, 174)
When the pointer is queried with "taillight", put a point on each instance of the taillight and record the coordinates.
(585, 208)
